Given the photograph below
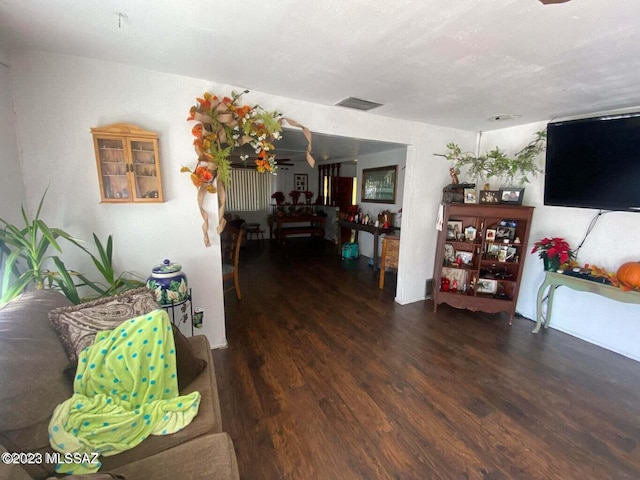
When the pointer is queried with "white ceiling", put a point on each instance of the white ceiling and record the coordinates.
(452, 63)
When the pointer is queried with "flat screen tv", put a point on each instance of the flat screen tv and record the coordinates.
(594, 163)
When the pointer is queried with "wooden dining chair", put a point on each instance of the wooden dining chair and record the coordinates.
(230, 258)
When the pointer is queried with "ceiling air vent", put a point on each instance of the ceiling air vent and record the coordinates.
(358, 104)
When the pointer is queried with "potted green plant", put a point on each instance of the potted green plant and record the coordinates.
(554, 252)
(496, 163)
(28, 257)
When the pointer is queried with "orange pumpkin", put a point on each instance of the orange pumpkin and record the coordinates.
(629, 274)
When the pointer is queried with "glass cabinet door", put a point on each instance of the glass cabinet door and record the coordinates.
(145, 170)
(112, 164)
(128, 164)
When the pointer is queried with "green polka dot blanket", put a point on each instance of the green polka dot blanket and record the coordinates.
(125, 389)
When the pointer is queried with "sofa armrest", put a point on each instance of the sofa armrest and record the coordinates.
(208, 457)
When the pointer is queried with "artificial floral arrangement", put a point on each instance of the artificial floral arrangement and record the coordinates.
(295, 195)
(308, 196)
(224, 124)
(550, 248)
(278, 197)
(496, 163)
(627, 277)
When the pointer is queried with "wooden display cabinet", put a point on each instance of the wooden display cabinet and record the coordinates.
(128, 164)
(481, 252)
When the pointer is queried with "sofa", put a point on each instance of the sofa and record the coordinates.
(34, 380)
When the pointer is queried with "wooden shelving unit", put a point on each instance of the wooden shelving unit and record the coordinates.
(481, 252)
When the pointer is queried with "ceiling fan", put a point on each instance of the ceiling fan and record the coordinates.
(249, 164)
(548, 2)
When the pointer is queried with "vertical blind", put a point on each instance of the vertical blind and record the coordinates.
(248, 190)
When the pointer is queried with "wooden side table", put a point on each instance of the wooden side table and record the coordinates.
(357, 227)
(389, 259)
(553, 280)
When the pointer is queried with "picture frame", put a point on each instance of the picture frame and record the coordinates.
(470, 195)
(464, 256)
(505, 234)
(379, 184)
(458, 274)
(300, 182)
(449, 254)
(511, 195)
(490, 235)
(470, 234)
(454, 229)
(490, 196)
(485, 285)
(493, 249)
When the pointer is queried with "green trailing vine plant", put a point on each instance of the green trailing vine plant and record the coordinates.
(496, 163)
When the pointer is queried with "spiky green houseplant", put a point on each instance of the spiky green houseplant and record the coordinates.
(28, 249)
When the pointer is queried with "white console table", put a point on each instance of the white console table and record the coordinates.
(553, 280)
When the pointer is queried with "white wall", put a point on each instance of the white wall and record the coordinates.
(11, 186)
(285, 179)
(613, 241)
(11, 179)
(425, 176)
(58, 98)
(396, 157)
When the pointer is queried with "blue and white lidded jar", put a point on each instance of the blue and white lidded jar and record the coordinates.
(169, 283)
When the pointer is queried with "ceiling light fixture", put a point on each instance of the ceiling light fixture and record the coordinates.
(358, 104)
(503, 117)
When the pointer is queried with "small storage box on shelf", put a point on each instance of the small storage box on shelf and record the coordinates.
(128, 164)
(480, 257)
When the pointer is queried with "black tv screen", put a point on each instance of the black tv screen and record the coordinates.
(594, 163)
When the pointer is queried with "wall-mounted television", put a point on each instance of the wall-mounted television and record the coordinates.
(594, 163)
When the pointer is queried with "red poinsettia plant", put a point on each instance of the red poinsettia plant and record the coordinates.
(554, 247)
(295, 195)
(278, 197)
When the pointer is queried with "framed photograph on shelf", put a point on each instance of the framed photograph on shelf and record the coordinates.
(464, 257)
(486, 286)
(505, 234)
(489, 196)
(470, 195)
(300, 182)
(458, 274)
(454, 230)
(511, 196)
(492, 250)
(449, 254)
(490, 235)
(470, 234)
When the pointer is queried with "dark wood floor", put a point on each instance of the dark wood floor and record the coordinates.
(326, 377)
